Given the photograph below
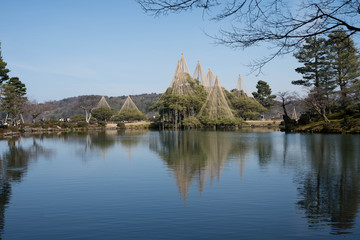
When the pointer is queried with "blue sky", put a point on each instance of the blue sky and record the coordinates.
(69, 48)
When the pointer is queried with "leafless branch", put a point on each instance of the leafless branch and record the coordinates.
(274, 22)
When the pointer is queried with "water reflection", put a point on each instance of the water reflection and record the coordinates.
(192, 156)
(326, 168)
(329, 189)
(13, 166)
(92, 143)
(182, 152)
(130, 140)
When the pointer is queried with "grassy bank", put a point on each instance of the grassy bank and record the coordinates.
(262, 123)
(338, 123)
(56, 126)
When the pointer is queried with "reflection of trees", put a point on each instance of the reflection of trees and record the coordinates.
(264, 149)
(103, 140)
(259, 142)
(13, 165)
(239, 150)
(93, 142)
(181, 151)
(192, 155)
(130, 140)
(217, 148)
(89, 141)
(329, 191)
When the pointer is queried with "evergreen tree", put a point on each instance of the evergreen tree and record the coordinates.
(244, 107)
(173, 107)
(344, 60)
(102, 113)
(263, 94)
(316, 69)
(13, 98)
(313, 55)
(130, 115)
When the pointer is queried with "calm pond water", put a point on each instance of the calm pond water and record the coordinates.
(180, 185)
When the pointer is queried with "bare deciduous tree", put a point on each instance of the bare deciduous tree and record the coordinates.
(88, 111)
(287, 98)
(34, 109)
(317, 102)
(283, 24)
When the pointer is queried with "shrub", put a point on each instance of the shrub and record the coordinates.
(82, 124)
(208, 122)
(129, 115)
(251, 115)
(102, 113)
(191, 122)
(305, 118)
(13, 128)
(78, 118)
(37, 124)
(102, 123)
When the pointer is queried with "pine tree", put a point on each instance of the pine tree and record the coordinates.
(344, 60)
(263, 94)
(316, 70)
(244, 106)
(13, 98)
(313, 55)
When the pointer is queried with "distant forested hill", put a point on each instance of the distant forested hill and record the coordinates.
(71, 106)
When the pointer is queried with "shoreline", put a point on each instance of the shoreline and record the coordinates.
(314, 128)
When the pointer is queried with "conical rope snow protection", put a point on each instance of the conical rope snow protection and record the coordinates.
(216, 105)
(209, 81)
(199, 73)
(242, 87)
(183, 65)
(180, 83)
(102, 103)
(129, 105)
(294, 115)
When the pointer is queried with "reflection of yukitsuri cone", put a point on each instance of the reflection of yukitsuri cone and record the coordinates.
(183, 180)
(185, 167)
(217, 149)
(199, 74)
(216, 104)
(239, 151)
(242, 87)
(201, 181)
(102, 103)
(180, 150)
(242, 162)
